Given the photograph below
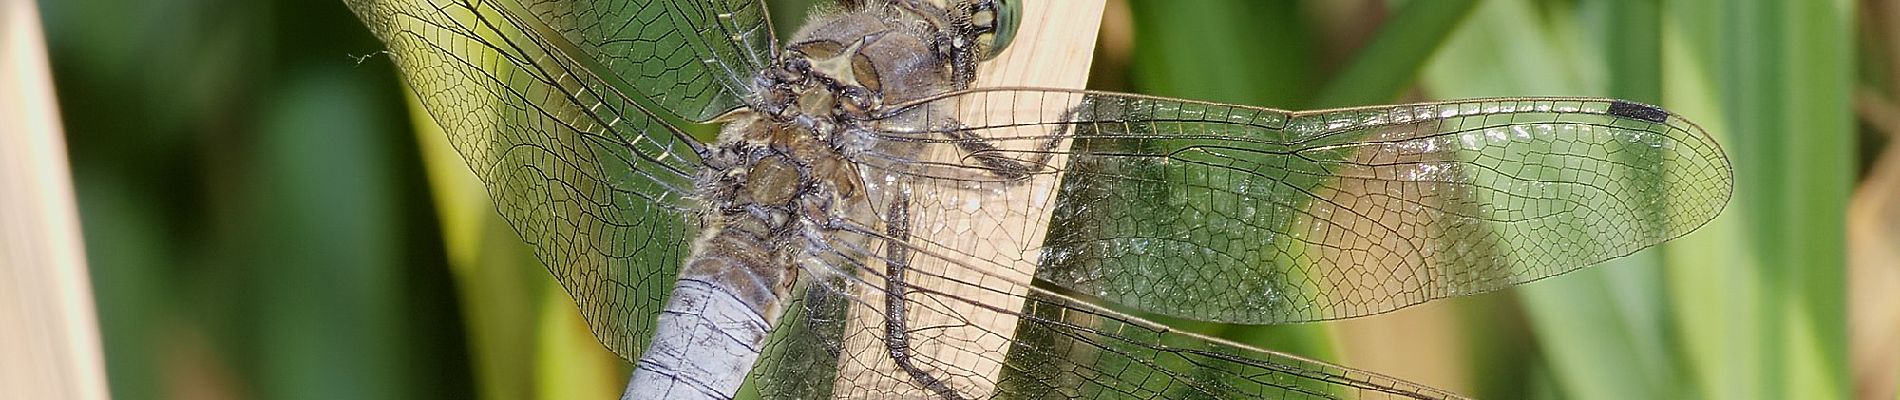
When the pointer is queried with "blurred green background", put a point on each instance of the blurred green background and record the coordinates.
(264, 219)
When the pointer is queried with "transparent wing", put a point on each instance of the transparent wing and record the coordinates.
(1222, 183)
(583, 173)
(1247, 215)
(695, 58)
(979, 337)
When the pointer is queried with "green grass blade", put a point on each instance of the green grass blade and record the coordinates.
(1783, 72)
(1817, 131)
(1714, 288)
(1390, 62)
(1237, 51)
(1601, 328)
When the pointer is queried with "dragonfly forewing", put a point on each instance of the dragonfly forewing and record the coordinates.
(599, 187)
(1240, 214)
(695, 59)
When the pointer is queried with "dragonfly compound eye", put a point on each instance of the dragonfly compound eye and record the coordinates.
(995, 22)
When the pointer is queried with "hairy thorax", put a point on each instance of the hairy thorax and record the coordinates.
(786, 175)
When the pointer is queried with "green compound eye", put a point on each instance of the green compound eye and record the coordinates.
(999, 19)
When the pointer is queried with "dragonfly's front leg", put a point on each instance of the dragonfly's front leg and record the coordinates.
(1010, 169)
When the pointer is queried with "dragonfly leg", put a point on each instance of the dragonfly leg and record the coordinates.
(1008, 168)
(896, 328)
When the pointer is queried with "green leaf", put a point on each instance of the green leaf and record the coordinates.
(1389, 64)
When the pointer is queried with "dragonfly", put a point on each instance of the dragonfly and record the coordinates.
(866, 224)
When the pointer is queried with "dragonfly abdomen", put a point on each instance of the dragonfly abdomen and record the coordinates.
(770, 183)
(725, 302)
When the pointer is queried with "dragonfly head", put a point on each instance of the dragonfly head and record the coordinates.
(851, 64)
(837, 76)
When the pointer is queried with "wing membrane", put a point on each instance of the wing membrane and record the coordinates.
(694, 58)
(594, 182)
(1248, 215)
(1059, 348)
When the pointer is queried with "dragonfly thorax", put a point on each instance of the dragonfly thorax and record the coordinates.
(777, 173)
(818, 105)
